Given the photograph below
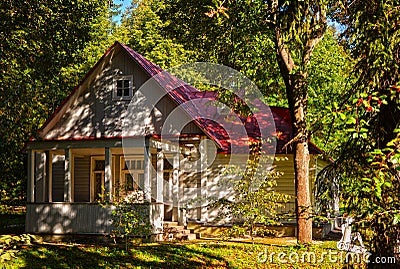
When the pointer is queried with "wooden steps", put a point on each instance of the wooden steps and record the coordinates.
(173, 231)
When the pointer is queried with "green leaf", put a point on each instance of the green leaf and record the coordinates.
(351, 120)
(396, 219)
(342, 116)
(388, 184)
(377, 152)
(378, 192)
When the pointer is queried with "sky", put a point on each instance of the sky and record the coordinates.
(125, 4)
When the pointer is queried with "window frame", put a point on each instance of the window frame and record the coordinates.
(136, 172)
(115, 87)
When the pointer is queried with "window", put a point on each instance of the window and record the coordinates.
(134, 164)
(123, 88)
(132, 173)
(168, 170)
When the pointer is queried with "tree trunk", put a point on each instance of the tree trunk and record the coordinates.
(303, 203)
(297, 96)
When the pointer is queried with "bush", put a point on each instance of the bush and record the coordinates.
(233, 232)
(265, 232)
(130, 216)
(11, 244)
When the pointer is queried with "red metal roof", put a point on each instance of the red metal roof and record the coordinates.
(202, 113)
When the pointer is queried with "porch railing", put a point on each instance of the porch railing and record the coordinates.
(68, 218)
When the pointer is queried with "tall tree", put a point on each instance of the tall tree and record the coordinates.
(145, 29)
(299, 26)
(368, 166)
(329, 82)
(41, 55)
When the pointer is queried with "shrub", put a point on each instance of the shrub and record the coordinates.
(11, 244)
(233, 232)
(130, 216)
(264, 232)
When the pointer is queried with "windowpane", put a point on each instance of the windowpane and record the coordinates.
(98, 185)
(119, 92)
(126, 91)
(133, 164)
(99, 165)
(141, 180)
(167, 176)
(119, 84)
(167, 165)
(126, 84)
(129, 182)
(139, 165)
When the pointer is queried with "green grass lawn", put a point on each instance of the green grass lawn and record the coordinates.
(265, 253)
(197, 254)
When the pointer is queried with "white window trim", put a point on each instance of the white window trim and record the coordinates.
(127, 171)
(131, 87)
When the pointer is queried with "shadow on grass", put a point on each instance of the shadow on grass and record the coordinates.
(12, 223)
(158, 256)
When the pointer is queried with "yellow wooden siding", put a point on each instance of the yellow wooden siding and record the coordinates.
(285, 183)
(81, 179)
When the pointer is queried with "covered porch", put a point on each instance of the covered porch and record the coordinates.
(67, 181)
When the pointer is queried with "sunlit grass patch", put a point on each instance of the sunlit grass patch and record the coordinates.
(197, 254)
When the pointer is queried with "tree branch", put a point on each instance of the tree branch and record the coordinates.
(317, 31)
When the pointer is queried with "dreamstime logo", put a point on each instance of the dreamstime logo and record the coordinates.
(169, 111)
(312, 257)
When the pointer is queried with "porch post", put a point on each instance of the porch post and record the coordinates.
(147, 170)
(108, 174)
(45, 177)
(49, 175)
(176, 212)
(68, 176)
(31, 177)
(203, 147)
(160, 176)
(158, 214)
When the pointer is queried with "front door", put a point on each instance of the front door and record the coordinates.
(168, 189)
(98, 167)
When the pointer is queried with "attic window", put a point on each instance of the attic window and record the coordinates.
(123, 88)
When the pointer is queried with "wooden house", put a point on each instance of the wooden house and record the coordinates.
(83, 153)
